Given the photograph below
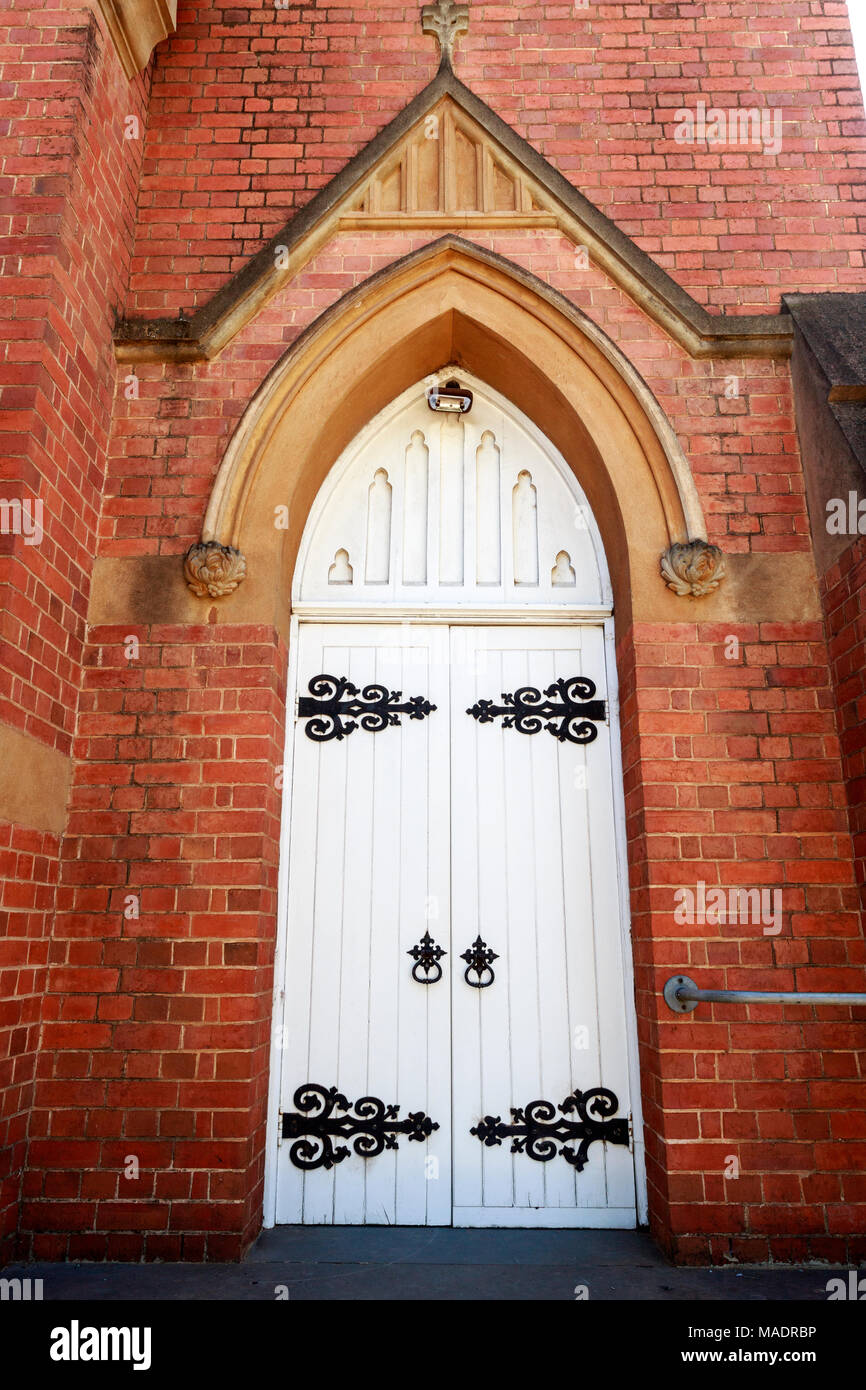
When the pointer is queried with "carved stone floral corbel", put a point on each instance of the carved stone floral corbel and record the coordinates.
(693, 568)
(212, 570)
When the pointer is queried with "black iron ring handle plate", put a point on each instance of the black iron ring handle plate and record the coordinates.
(479, 960)
(427, 956)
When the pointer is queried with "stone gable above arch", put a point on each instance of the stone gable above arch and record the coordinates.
(447, 162)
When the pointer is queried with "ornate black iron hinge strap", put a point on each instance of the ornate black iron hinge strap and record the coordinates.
(536, 1130)
(479, 960)
(372, 1128)
(427, 956)
(567, 705)
(333, 698)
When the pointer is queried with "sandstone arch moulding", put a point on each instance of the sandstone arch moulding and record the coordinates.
(452, 303)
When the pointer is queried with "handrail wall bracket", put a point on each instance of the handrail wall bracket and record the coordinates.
(682, 996)
(673, 998)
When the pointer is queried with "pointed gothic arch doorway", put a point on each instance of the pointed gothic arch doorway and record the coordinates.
(455, 1039)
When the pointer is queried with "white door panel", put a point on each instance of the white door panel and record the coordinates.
(368, 857)
(427, 525)
(535, 874)
(464, 829)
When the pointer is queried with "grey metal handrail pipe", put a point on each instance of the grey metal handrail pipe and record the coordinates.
(683, 996)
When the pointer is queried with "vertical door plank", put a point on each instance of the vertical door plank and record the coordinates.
(465, 909)
(520, 972)
(349, 976)
(544, 828)
(365, 856)
(294, 1021)
(551, 765)
(321, 1049)
(613, 1046)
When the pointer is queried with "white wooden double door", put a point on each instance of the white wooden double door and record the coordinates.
(458, 828)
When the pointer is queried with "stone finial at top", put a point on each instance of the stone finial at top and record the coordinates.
(446, 20)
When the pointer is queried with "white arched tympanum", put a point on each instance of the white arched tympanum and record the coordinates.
(457, 511)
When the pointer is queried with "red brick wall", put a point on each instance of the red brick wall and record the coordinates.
(28, 874)
(68, 186)
(843, 590)
(733, 776)
(156, 1029)
(68, 227)
(254, 109)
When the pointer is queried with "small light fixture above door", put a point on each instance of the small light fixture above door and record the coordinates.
(451, 397)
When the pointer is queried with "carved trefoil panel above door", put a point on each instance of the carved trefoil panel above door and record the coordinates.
(454, 510)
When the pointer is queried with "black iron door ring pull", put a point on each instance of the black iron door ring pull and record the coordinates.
(479, 960)
(427, 956)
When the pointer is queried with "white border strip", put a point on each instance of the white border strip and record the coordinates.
(475, 617)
